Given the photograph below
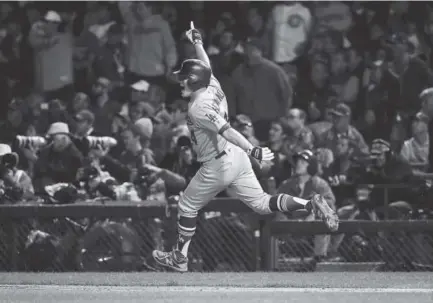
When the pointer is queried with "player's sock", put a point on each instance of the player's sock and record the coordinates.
(287, 203)
(186, 229)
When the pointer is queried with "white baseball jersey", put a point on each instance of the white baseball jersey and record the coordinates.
(232, 171)
(207, 118)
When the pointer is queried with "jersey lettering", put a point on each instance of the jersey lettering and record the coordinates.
(220, 95)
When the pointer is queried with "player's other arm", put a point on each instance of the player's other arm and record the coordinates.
(207, 117)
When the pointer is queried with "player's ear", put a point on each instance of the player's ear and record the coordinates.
(193, 78)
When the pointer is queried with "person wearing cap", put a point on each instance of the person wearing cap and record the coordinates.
(304, 183)
(341, 126)
(244, 125)
(262, 89)
(53, 51)
(151, 49)
(59, 161)
(416, 149)
(298, 136)
(15, 184)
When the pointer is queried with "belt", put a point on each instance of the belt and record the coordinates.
(219, 156)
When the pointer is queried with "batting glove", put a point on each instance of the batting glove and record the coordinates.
(261, 153)
(194, 35)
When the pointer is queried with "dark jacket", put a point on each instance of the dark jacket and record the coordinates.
(57, 167)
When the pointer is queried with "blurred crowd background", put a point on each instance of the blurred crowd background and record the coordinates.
(342, 92)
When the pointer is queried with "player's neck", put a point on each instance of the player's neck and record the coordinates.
(197, 92)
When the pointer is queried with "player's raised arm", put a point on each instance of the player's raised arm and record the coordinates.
(194, 36)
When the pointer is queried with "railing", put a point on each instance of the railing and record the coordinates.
(241, 242)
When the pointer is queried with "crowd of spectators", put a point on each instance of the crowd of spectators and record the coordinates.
(340, 92)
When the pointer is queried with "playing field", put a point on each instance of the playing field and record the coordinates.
(218, 287)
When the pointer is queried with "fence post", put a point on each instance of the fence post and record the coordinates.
(266, 247)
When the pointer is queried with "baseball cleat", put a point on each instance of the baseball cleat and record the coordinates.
(173, 259)
(323, 211)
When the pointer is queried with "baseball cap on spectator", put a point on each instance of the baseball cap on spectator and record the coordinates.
(58, 128)
(6, 154)
(306, 154)
(243, 120)
(379, 146)
(341, 110)
(53, 16)
(85, 115)
(141, 86)
(144, 127)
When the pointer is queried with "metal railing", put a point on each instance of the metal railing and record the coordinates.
(120, 235)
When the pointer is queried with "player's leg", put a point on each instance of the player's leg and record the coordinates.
(248, 189)
(205, 185)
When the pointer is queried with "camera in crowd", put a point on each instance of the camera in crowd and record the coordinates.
(30, 141)
(100, 142)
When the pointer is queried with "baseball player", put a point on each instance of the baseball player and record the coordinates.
(223, 154)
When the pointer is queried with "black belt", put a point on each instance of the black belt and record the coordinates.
(221, 154)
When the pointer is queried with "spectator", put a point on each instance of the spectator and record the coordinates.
(59, 161)
(225, 61)
(386, 168)
(341, 127)
(412, 74)
(304, 183)
(103, 106)
(415, 150)
(344, 84)
(244, 125)
(280, 167)
(378, 115)
(257, 80)
(291, 24)
(426, 97)
(110, 62)
(258, 30)
(145, 129)
(298, 136)
(151, 55)
(15, 184)
(80, 102)
(181, 161)
(335, 15)
(84, 121)
(312, 93)
(52, 44)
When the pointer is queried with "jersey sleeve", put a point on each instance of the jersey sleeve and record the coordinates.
(209, 117)
(214, 82)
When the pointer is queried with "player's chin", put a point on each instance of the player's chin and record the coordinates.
(185, 93)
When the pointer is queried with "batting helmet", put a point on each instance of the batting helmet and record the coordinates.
(196, 72)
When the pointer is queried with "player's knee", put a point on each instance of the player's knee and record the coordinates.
(186, 208)
(261, 205)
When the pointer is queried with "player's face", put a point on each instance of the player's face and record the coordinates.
(186, 91)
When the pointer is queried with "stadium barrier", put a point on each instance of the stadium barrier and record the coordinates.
(120, 235)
